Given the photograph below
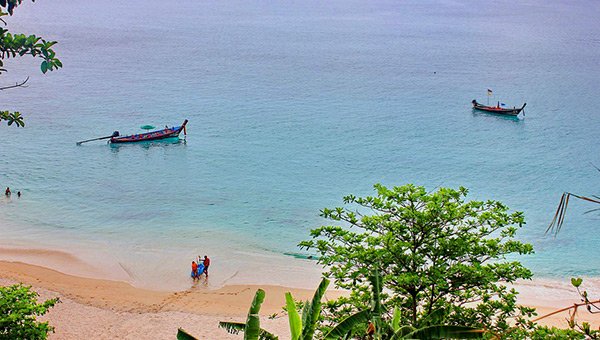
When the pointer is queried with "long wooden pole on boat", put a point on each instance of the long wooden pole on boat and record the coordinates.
(115, 134)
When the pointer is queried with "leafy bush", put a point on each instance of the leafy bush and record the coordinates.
(18, 311)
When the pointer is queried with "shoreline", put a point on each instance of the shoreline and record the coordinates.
(122, 297)
(165, 269)
(97, 305)
(107, 309)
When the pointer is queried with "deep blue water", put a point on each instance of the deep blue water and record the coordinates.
(293, 105)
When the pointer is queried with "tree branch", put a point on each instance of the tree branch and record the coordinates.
(22, 84)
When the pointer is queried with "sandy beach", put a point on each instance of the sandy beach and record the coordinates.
(109, 309)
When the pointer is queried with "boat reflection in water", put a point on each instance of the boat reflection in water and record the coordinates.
(166, 142)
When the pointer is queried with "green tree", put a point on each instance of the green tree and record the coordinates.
(18, 311)
(443, 260)
(14, 45)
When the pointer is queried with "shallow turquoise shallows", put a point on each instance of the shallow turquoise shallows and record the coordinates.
(292, 105)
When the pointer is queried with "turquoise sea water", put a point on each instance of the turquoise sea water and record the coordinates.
(292, 105)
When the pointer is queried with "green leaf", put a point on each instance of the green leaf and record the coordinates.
(293, 316)
(232, 327)
(375, 280)
(44, 66)
(237, 327)
(396, 316)
(308, 327)
(183, 335)
(252, 329)
(347, 325)
(576, 282)
(447, 332)
(401, 332)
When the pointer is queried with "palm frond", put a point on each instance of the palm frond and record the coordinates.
(558, 219)
(591, 211)
(561, 210)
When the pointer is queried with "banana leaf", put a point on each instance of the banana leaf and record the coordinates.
(183, 335)
(446, 332)
(294, 317)
(252, 330)
(237, 327)
(308, 326)
(347, 325)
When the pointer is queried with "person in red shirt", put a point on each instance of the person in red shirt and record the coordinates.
(194, 270)
(206, 265)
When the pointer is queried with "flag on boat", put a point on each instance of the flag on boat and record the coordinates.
(502, 104)
(489, 92)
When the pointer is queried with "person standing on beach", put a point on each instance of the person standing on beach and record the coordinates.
(206, 264)
(194, 270)
(7, 191)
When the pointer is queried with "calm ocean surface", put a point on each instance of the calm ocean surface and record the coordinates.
(293, 105)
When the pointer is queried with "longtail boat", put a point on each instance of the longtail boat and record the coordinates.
(498, 109)
(168, 132)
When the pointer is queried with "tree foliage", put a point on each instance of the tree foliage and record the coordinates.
(377, 328)
(443, 260)
(18, 311)
(14, 45)
(12, 118)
